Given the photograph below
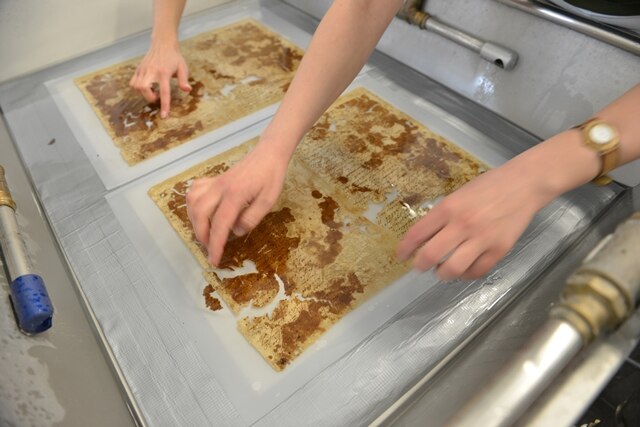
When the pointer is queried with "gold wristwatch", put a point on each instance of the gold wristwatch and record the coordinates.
(603, 138)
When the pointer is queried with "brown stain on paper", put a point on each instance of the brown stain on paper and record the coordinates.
(250, 61)
(210, 301)
(328, 256)
(384, 150)
(268, 246)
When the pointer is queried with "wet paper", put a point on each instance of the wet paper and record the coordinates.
(234, 71)
(352, 189)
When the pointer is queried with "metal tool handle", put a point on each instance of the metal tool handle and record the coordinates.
(28, 294)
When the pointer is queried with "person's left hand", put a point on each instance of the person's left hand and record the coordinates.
(467, 233)
(162, 63)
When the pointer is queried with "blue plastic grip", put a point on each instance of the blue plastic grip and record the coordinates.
(31, 303)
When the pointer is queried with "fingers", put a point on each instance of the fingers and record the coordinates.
(214, 212)
(252, 215)
(420, 232)
(165, 95)
(143, 84)
(438, 247)
(469, 258)
(477, 256)
(464, 245)
(183, 78)
(496, 250)
(161, 63)
(224, 218)
(483, 264)
(461, 259)
(148, 93)
(201, 204)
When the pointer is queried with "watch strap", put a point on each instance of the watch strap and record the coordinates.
(608, 158)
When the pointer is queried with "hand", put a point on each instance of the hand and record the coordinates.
(160, 65)
(477, 224)
(237, 200)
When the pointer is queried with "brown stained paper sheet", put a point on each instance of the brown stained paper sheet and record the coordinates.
(316, 242)
(377, 154)
(234, 71)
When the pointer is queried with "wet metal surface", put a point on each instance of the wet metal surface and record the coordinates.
(58, 378)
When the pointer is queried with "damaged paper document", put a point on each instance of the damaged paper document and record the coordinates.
(235, 70)
(352, 189)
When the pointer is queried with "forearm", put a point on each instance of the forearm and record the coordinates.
(563, 162)
(166, 19)
(624, 114)
(341, 45)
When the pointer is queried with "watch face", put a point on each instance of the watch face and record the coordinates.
(602, 133)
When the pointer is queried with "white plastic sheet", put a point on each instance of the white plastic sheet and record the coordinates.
(96, 142)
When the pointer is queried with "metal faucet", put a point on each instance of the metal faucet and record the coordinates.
(499, 55)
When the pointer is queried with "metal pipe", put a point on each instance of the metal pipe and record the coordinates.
(615, 36)
(29, 297)
(501, 56)
(453, 34)
(529, 374)
(605, 289)
(598, 297)
(12, 245)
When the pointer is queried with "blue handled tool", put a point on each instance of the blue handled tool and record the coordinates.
(31, 304)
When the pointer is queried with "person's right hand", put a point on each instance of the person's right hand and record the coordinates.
(236, 200)
(161, 63)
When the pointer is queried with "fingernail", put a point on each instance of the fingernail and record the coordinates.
(163, 114)
(239, 231)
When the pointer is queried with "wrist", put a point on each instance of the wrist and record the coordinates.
(282, 144)
(557, 165)
(165, 39)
